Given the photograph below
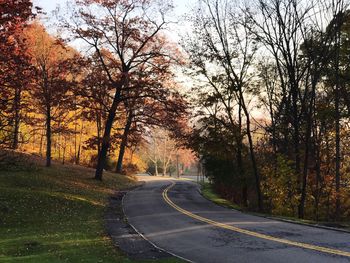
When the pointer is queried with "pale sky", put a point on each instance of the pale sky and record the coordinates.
(181, 8)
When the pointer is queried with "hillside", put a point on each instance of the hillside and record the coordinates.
(54, 214)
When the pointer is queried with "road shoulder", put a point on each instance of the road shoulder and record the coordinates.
(124, 235)
(214, 198)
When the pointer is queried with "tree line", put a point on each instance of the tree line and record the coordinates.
(93, 102)
(273, 104)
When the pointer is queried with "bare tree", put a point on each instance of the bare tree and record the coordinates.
(222, 51)
(162, 149)
(296, 36)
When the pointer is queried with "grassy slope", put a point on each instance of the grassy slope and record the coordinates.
(55, 214)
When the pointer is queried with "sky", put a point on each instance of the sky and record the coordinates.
(181, 8)
(174, 33)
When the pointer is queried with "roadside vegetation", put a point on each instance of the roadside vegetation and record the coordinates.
(55, 214)
(208, 191)
(272, 96)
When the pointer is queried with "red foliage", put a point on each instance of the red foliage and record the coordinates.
(14, 61)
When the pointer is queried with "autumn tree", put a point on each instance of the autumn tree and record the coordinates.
(14, 67)
(153, 100)
(130, 31)
(54, 76)
(93, 94)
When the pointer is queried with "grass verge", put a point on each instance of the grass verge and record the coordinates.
(209, 193)
(56, 214)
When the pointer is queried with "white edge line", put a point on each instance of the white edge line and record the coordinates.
(145, 238)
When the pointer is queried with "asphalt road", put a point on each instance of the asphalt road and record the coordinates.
(175, 217)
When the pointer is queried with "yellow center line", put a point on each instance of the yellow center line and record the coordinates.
(251, 233)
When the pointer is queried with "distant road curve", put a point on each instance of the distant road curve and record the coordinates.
(174, 216)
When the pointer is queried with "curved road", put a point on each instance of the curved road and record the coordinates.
(174, 216)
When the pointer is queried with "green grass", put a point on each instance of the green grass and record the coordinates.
(56, 214)
(209, 193)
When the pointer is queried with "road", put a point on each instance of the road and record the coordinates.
(175, 217)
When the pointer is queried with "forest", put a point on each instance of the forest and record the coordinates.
(263, 108)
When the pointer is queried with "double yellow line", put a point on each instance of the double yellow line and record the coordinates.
(251, 233)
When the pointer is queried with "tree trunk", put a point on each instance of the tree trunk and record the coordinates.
(75, 142)
(337, 131)
(156, 168)
(41, 143)
(98, 126)
(306, 157)
(17, 119)
(48, 135)
(177, 166)
(318, 180)
(102, 156)
(305, 173)
(255, 167)
(296, 133)
(252, 154)
(165, 161)
(337, 152)
(124, 142)
(64, 152)
(239, 158)
(77, 159)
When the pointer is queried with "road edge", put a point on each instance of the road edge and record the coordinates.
(144, 237)
(274, 218)
(123, 236)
